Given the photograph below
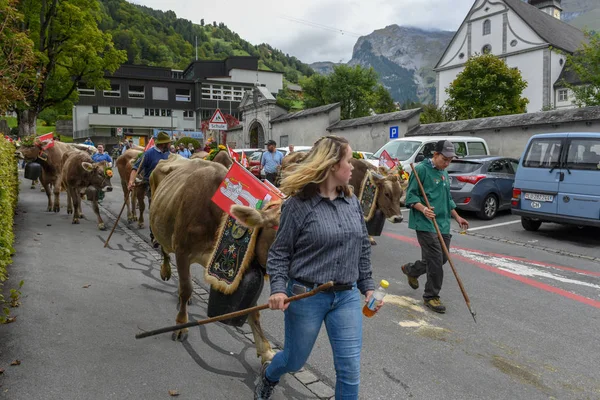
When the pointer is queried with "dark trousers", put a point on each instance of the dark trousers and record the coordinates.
(271, 177)
(431, 262)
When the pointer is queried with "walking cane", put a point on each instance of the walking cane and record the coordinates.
(124, 204)
(443, 244)
(235, 314)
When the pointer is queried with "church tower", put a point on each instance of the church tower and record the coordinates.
(551, 7)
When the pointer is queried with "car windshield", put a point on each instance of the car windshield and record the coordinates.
(256, 156)
(463, 167)
(400, 149)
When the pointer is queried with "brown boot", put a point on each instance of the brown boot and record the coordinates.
(434, 304)
(412, 281)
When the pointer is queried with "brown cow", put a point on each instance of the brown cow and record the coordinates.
(51, 162)
(199, 154)
(81, 173)
(184, 220)
(124, 164)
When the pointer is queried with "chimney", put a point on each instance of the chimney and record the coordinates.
(551, 7)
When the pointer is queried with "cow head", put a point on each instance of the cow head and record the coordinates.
(266, 218)
(98, 175)
(28, 152)
(388, 199)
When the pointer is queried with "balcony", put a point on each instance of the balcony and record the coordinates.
(129, 121)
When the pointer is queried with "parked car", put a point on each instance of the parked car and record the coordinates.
(415, 149)
(558, 180)
(248, 152)
(254, 162)
(482, 184)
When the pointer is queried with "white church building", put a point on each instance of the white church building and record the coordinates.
(528, 35)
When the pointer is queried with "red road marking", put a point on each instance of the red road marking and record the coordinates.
(528, 281)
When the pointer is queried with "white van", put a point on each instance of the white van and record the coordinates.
(416, 148)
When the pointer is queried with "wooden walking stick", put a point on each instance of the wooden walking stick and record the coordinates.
(124, 204)
(443, 244)
(235, 314)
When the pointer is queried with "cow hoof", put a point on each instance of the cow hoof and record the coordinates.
(75, 221)
(140, 226)
(56, 209)
(32, 187)
(180, 336)
(134, 218)
(101, 227)
(129, 220)
(69, 211)
(42, 190)
(165, 277)
(49, 209)
(267, 357)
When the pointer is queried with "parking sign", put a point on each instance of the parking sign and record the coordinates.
(394, 132)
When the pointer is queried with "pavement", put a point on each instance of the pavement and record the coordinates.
(536, 294)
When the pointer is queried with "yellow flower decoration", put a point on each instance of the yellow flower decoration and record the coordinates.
(108, 172)
(222, 147)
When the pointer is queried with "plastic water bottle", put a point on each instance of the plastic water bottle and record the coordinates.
(375, 300)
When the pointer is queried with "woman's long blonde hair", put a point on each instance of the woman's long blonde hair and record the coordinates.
(304, 178)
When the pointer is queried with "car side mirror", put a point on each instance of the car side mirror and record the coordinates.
(420, 157)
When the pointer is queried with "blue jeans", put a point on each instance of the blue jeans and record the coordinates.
(342, 314)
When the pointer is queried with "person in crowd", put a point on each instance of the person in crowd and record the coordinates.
(182, 151)
(271, 161)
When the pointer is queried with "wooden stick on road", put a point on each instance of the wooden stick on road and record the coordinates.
(443, 244)
(235, 314)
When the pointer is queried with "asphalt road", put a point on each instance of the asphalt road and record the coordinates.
(538, 314)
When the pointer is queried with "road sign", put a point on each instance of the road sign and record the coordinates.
(394, 132)
(217, 122)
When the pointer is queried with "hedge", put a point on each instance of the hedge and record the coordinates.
(9, 191)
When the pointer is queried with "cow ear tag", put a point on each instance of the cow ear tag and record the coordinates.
(87, 166)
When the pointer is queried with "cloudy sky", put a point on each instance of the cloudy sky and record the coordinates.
(317, 30)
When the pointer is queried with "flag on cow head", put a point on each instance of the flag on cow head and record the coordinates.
(385, 160)
(244, 161)
(243, 188)
(149, 145)
(47, 136)
(233, 154)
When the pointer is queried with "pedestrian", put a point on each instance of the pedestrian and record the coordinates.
(434, 177)
(127, 145)
(172, 149)
(147, 162)
(291, 149)
(271, 161)
(322, 237)
(183, 152)
(88, 142)
(191, 148)
(101, 155)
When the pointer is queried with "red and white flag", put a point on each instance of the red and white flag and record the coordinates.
(233, 154)
(150, 144)
(385, 160)
(47, 136)
(243, 188)
(273, 188)
(244, 161)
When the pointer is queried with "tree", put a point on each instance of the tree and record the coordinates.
(585, 63)
(69, 49)
(487, 87)
(355, 88)
(382, 101)
(16, 57)
(431, 114)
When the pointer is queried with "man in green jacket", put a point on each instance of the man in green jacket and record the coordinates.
(436, 183)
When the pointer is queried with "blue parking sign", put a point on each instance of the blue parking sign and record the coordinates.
(394, 132)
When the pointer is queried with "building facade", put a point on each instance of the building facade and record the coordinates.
(144, 99)
(528, 36)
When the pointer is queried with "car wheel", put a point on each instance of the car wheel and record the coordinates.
(489, 207)
(530, 224)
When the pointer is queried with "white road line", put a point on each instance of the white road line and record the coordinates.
(493, 225)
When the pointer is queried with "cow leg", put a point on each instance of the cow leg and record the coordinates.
(127, 199)
(33, 182)
(142, 206)
(69, 203)
(185, 293)
(263, 347)
(56, 191)
(76, 199)
(97, 212)
(165, 268)
(46, 186)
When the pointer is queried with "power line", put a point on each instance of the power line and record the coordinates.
(320, 26)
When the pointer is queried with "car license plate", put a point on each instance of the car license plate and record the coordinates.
(539, 197)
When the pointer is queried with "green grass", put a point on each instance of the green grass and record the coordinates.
(40, 128)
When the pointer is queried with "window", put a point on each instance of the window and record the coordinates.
(146, 112)
(168, 113)
(115, 91)
(284, 140)
(113, 131)
(112, 110)
(118, 110)
(160, 93)
(183, 95)
(515, 166)
(543, 153)
(476, 149)
(463, 167)
(188, 114)
(487, 27)
(152, 112)
(83, 90)
(500, 167)
(94, 109)
(163, 112)
(563, 95)
(136, 92)
(460, 148)
(584, 154)
(486, 49)
(401, 149)
(124, 110)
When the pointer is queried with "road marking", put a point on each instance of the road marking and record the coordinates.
(493, 225)
(518, 272)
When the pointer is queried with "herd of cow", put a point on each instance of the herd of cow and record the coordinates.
(183, 218)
